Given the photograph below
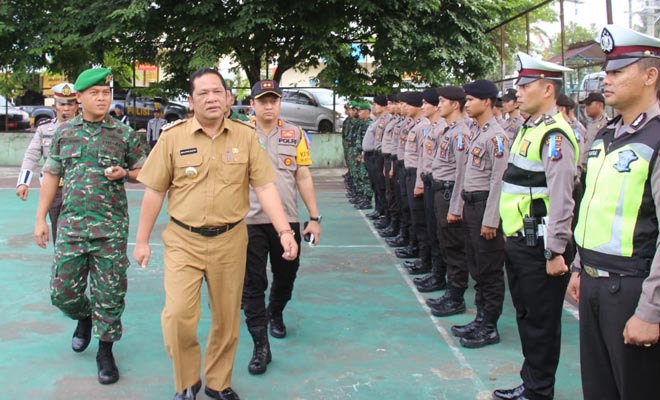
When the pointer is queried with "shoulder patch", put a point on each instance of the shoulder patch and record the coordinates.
(173, 124)
(548, 120)
(554, 147)
(498, 142)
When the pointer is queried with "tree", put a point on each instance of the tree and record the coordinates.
(573, 33)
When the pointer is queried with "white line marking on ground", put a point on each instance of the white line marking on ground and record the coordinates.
(446, 336)
(568, 306)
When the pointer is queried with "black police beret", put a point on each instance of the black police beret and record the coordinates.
(565, 101)
(381, 100)
(455, 93)
(394, 97)
(481, 89)
(413, 98)
(431, 96)
(510, 95)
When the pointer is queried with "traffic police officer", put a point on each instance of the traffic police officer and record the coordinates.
(66, 108)
(616, 275)
(536, 207)
(480, 189)
(447, 168)
(93, 154)
(288, 150)
(205, 164)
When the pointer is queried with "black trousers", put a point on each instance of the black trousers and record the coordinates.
(612, 370)
(418, 217)
(264, 244)
(404, 209)
(380, 203)
(391, 200)
(439, 267)
(485, 260)
(538, 299)
(452, 241)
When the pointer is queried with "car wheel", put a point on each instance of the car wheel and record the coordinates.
(171, 118)
(39, 120)
(326, 126)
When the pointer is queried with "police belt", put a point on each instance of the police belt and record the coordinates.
(595, 272)
(399, 163)
(426, 178)
(207, 231)
(440, 185)
(411, 171)
(387, 156)
(393, 157)
(370, 153)
(475, 197)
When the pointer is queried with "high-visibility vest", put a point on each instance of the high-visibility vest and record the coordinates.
(525, 173)
(617, 226)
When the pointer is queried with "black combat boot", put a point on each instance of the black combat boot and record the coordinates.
(277, 327)
(82, 335)
(410, 251)
(451, 303)
(464, 330)
(431, 283)
(486, 333)
(105, 362)
(261, 355)
(398, 241)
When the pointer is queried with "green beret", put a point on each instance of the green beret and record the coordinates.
(354, 104)
(93, 77)
(363, 106)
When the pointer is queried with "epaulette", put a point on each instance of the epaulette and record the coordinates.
(173, 124)
(244, 123)
(47, 121)
(548, 120)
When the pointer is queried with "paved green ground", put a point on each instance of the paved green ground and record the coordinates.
(357, 329)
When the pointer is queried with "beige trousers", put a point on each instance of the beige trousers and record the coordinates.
(189, 258)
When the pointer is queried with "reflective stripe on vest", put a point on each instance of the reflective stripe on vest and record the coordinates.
(526, 172)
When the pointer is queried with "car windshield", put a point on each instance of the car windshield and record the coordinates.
(3, 102)
(324, 97)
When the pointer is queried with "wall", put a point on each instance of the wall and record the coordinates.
(327, 149)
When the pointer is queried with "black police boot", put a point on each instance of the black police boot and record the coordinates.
(447, 306)
(82, 335)
(363, 205)
(419, 269)
(461, 331)
(108, 372)
(277, 327)
(412, 263)
(189, 393)
(261, 355)
(432, 283)
(375, 214)
(407, 252)
(486, 333)
(397, 241)
(509, 394)
(388, 232)
(383, 223)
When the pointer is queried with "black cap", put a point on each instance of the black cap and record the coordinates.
(394, 97)
(510, 95)
(454, 93)
(431, 96)
(381, 100)
(593, 96)
(413, 98)
(264, 87)
(498, 102)
(481, 89)
(565, 101)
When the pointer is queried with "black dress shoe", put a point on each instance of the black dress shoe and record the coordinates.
(108, 372)
(482, 336)
(397, 241)
(509, 394)
(383, 224)
(388, 233)
(82, 335)
(277, 327)
(227, 394)
(432, 284)
(363, 205)
(419, 269)
(447, 306)
(412, 263)
(375, 214)
(190, 393)
(407, 252)
(464, 330)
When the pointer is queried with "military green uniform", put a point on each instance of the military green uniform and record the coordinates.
(360, 175)
(93, 227)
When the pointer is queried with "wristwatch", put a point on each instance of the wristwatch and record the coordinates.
(549, 254)
(317, 219)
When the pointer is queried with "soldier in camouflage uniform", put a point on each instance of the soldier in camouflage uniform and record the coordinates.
(65, 107)
(363, 189)
(94, 154)
(346, 144)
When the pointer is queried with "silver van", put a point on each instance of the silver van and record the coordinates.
(312, 109)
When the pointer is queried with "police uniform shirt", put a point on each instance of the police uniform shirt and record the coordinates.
(403, 138)
(413, 143)
(207, 178)
(512, 126)
(449, 161)
(380, 123)
(593, 126)
(37, 150)
(558, 157)
(388, 134)
(369, 139)
(287, 149)
(429, 148)
(486, 162)
(154, 127)
(648, 307)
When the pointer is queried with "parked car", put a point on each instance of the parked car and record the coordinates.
(312, 109)
(39, 114)
(140, 109)
(11, 117)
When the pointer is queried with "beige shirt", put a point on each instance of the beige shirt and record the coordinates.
(413, 143)
(287, 149)
(486, 161)
(593, 126)
(388, 134)
(402, 138)
(449, 162)
(207, 178)
(37, 150)
(429, 149)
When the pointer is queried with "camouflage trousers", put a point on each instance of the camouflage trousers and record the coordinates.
(105, 262)
(362, 183)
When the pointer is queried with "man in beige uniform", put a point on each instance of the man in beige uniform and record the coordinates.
(594, 107)
(513, 120)
(288, 151)
(206, 164)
